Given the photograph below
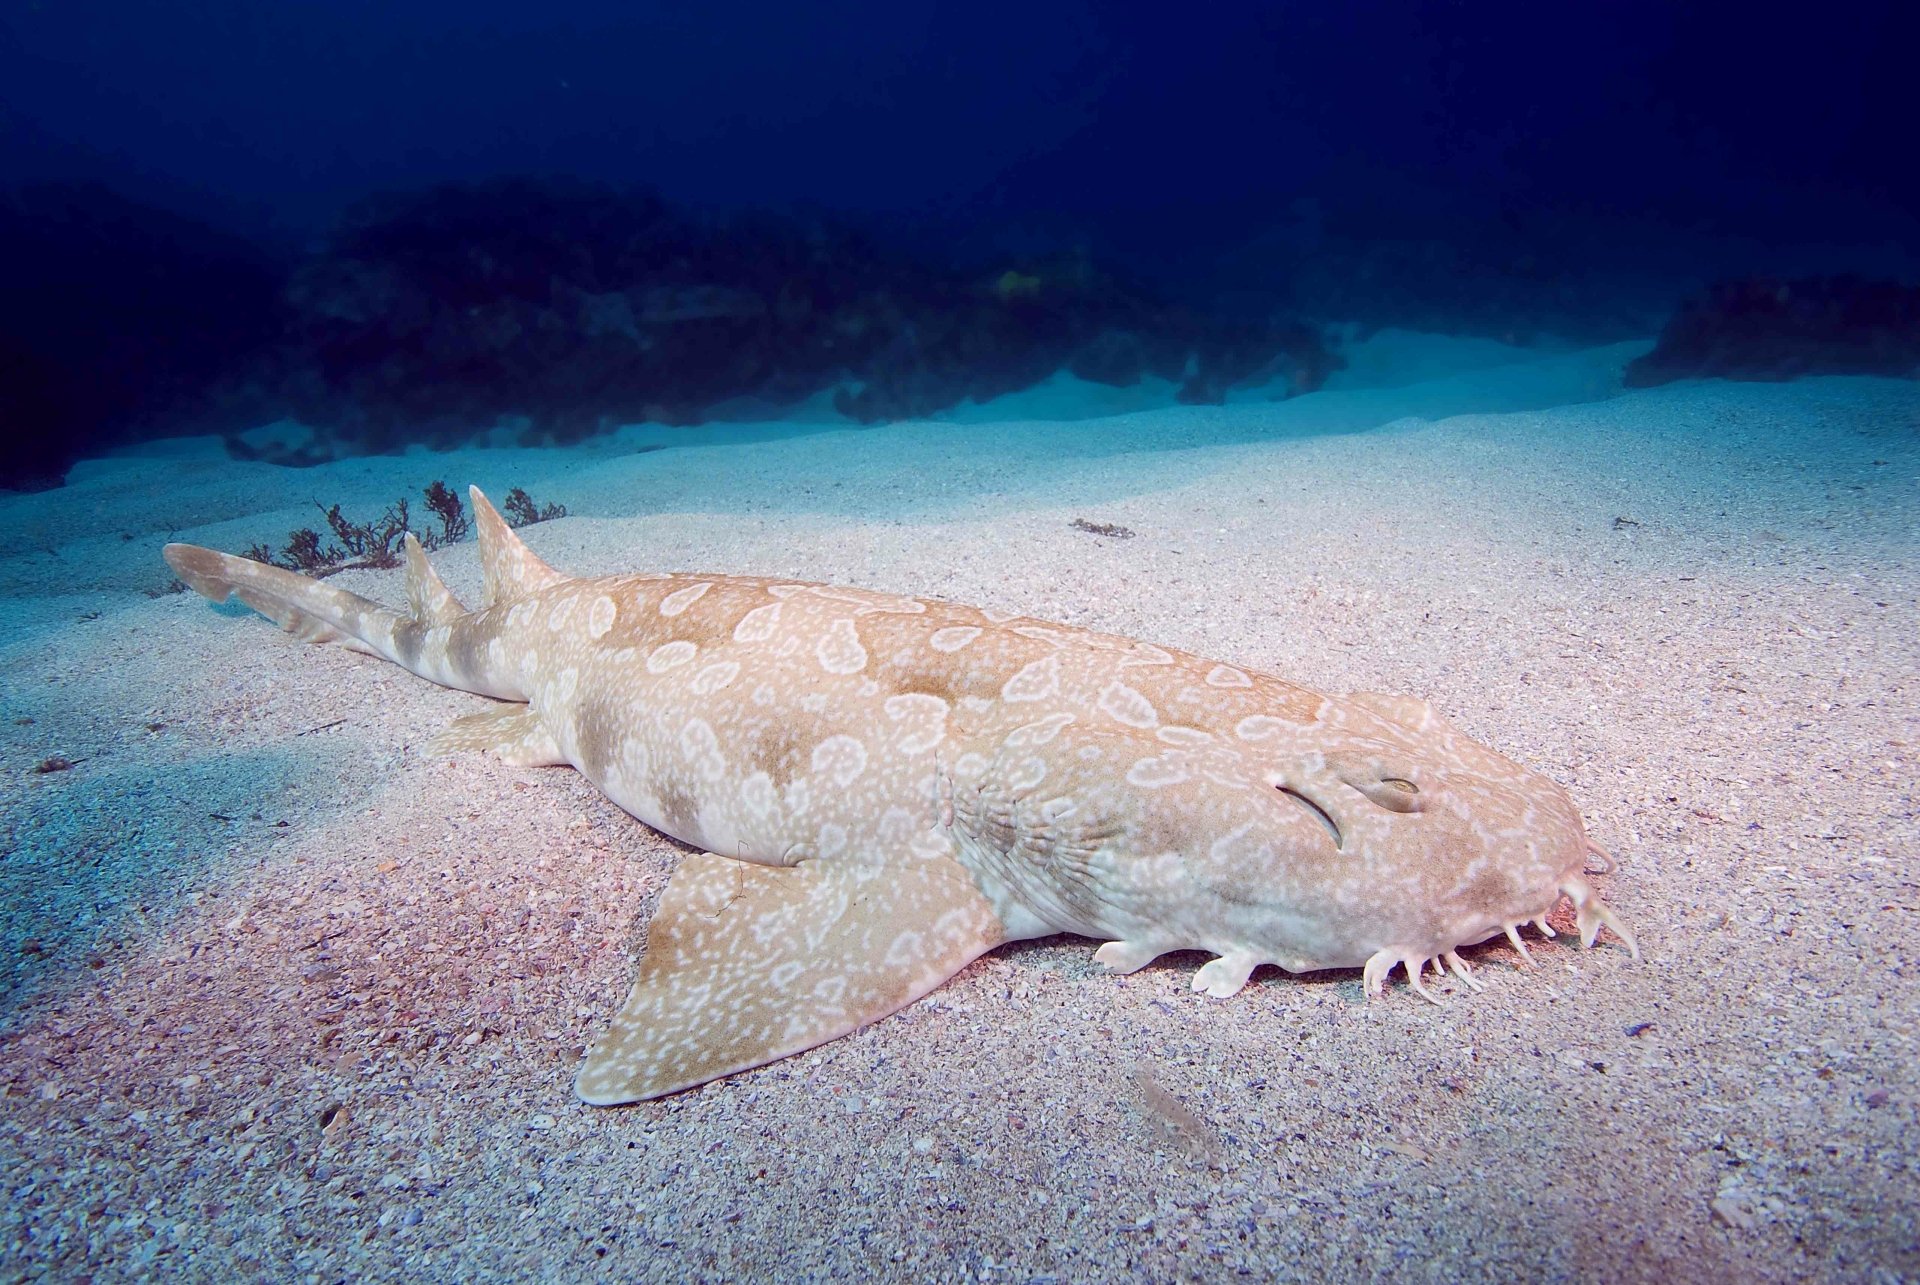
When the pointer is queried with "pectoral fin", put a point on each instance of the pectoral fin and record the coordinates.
(512, 732)
(748, 963)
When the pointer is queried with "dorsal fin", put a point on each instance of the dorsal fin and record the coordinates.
(509, 566)
(432, 602)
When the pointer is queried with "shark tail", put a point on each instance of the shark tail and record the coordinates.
(435, 638)
(304, 607)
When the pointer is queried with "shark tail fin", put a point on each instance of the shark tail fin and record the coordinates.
(304, 607)
(510, 568)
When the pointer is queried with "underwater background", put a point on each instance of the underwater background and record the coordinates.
(1555, 364)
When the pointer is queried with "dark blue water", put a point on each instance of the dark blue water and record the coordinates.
(223, 213)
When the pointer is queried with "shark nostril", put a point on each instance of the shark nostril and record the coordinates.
(1325, 817)
(1397, 783)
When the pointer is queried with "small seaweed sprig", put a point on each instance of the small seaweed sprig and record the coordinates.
(521, 511)
(377, 544)
(355, 544)
(454, 523)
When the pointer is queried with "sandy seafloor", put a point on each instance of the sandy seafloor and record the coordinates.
(285, 998)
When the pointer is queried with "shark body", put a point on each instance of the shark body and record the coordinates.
(884, 788)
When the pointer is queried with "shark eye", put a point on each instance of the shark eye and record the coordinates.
(1387, 783)
(1394, 793)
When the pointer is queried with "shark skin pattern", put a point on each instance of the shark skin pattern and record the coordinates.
(884, 788)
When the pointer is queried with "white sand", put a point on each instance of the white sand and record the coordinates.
(286, 999)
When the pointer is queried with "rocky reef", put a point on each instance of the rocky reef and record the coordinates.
(572, 307)
(120, 319)
(554, 307)
(1765, 329)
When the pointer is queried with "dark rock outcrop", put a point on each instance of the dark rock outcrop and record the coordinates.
(572, 307)
(118, 317)
(1770, 330)
(431, 316)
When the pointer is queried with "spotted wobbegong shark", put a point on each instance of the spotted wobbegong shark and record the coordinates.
(883, 788)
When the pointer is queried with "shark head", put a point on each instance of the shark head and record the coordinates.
(1394, 841)
(1455, 841)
